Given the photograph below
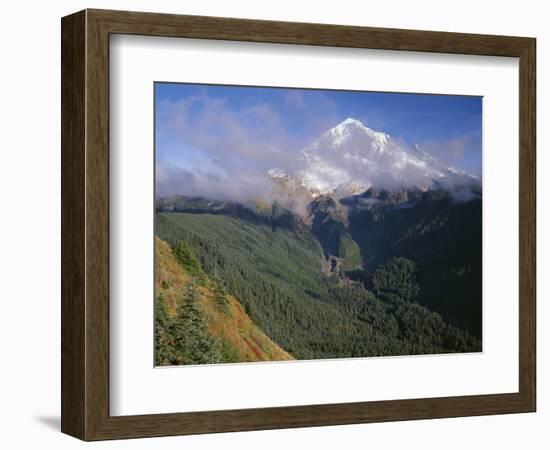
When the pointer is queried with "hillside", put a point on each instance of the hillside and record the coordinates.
(275, 268)
(237, 337)
(442, 236)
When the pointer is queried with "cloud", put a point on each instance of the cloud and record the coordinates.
(254, 135)
(199, 183)
(294, 99)
(463, 151)
(253, 187)
(223, 147)
(451, 150)
(464, 196)
(207, 146)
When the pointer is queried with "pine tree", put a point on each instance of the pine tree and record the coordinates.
(220, 293)
(188, 261)
(193, 344)
(164, 341)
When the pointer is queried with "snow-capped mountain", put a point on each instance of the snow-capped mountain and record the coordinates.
(350, 158)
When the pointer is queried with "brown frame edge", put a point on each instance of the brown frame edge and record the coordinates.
(85, 224)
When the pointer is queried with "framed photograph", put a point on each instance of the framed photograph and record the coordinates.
(272, 225)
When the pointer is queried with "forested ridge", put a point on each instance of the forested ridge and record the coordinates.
(376, 298)
(196, 320)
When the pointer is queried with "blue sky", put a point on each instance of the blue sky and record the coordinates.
(235, 129)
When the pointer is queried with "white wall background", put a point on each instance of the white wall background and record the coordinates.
(30, 223)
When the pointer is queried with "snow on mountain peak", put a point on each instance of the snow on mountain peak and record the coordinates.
(277, 173)
(349, 127)
(350, 158)
(351, 121)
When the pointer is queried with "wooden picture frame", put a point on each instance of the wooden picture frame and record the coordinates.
(85, 224)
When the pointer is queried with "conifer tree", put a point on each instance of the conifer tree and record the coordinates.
(220, 292)
(164, 341)
(193, 344)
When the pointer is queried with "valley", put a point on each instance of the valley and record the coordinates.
(379, 299)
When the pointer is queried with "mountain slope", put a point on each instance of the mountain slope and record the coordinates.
(240, 339)
(277, 274)
(329, 223)
(443, 236)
